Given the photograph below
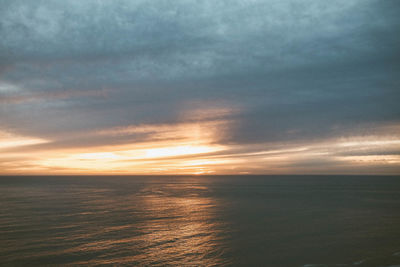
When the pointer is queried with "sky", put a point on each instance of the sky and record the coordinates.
(199, 87)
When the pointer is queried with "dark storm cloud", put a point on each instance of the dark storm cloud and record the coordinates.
(293, 69)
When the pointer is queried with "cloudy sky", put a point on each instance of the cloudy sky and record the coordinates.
(200, 87)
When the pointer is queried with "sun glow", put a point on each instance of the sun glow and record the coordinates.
(177, 148)
(8, 140)
(179, 151)
(194, 148)
(98, 156)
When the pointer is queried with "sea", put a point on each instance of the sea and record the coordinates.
(299, 220)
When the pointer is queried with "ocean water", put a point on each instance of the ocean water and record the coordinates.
(200, 221)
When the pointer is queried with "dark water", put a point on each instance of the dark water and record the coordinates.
(200, 221)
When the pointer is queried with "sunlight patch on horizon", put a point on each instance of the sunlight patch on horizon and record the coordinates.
(193, 148)
(179, 151)
(166, 149)
(381, 159)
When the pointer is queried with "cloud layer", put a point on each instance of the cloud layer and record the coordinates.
(252, 75)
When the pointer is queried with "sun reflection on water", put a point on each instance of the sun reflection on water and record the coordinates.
(176, 223)
(182, 226)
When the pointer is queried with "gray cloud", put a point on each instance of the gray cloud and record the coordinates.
(293, 70)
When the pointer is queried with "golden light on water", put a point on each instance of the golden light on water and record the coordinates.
(192, 228)
(178, 220)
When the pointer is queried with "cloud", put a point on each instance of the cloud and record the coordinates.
(277, 71)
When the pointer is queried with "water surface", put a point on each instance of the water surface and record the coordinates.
(200, 221)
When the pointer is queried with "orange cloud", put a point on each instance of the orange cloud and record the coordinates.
(195, 148)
